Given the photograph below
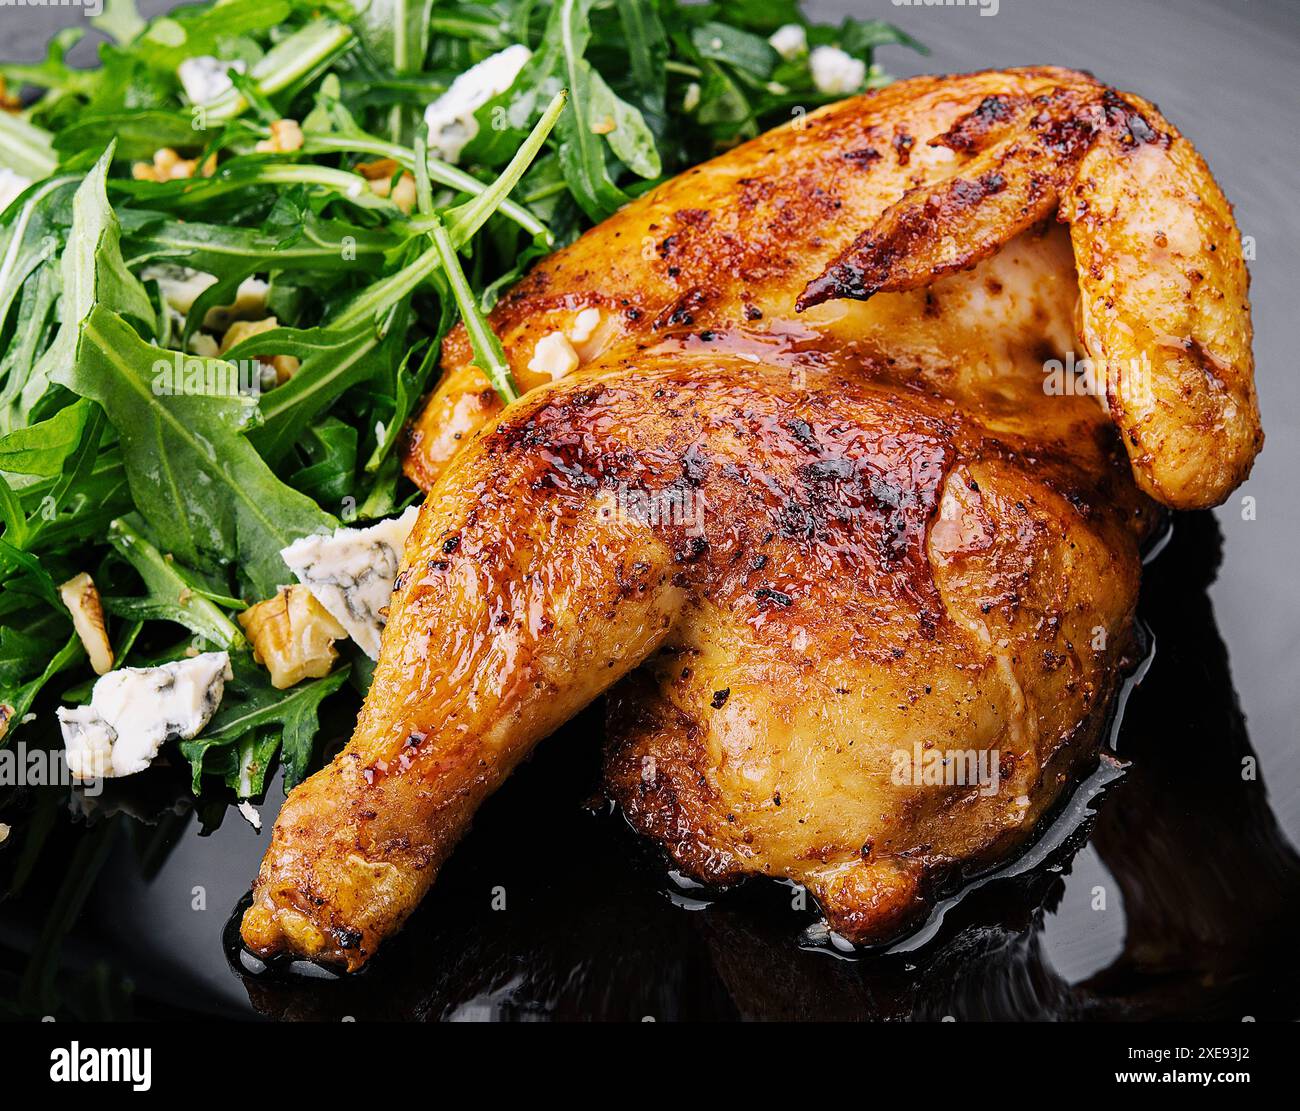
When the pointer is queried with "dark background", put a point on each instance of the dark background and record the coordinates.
(1206, 866)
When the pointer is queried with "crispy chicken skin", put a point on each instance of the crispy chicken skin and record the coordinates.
(886, 194)
(798, 547)
(871, 569)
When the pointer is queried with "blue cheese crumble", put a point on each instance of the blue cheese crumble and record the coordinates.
(450, 118)
(352, 572)
(134, 711)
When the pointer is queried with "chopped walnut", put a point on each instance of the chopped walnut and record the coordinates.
(380, 175)
(6, 716)
(381, 170)
(82, 599)
(293, 635)
(170, 166)
(404, 193)
(8, 102)
(286, 136)
(286, 366)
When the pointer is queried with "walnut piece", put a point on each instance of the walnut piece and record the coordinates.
(286, 366)
(170, 166)
(82, 599)
(286, 137)
(293, 635)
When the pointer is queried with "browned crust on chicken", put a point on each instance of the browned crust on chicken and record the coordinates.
(526, 591)
(730, 242)
(908, 540)
(889, 192)
(1163, 283)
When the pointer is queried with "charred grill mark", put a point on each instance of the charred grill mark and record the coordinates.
(864, 156)
(695, 465)
(828, 470)
(973, 130)
(1120, 115)
(902, 144)
(803, 432)
(692, 217)
(771, 596)
(681, 312)
(1066, 138)
(967, 194)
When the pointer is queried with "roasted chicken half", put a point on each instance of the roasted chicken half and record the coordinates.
(817, 552)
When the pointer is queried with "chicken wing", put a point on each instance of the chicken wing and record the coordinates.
(905, 196)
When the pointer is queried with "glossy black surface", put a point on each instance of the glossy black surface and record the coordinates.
(1194, 857)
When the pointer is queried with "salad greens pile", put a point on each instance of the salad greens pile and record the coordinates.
(127, 449)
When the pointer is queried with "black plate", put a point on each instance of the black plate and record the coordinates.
(1166, 887)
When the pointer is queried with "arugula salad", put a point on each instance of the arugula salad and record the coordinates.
(229, 254)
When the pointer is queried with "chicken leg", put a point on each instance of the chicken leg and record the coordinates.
(769, 534)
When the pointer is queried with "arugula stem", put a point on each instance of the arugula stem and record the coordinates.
(466, 219)
(166, 582)
(461, 224)
(488, 352)
(444, 173)
(423, 191)
(353, 186)
(685, 70)
(286, 62)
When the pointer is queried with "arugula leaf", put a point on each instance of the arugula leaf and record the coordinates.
(582, 155)
(120, 20)
(194, 476)
(647, 45)
(83, 497)
(25, 148)
(54, 72)
(17, 701)
(42, 448)
(29, 236)
(251, 704)
(174, 594)
(93, 273)
(290, 64)
(333, 360)
(192, 31)
(311, 242)
(408, 388)
(751, 53)
(331, 447)
(116, 449)
(397, 32)
(330, 127)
